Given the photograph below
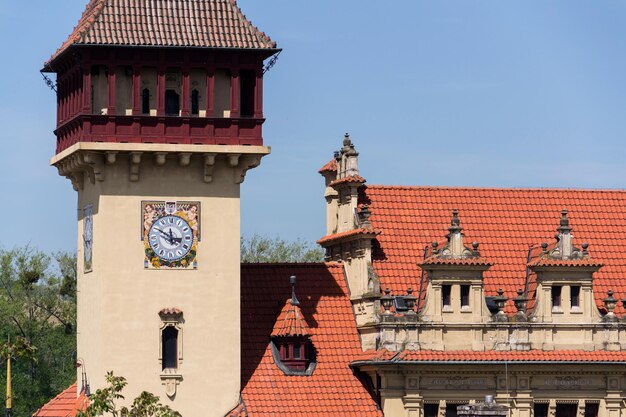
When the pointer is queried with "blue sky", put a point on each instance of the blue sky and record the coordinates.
(459, 93)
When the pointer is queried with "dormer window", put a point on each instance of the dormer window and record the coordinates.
(465, 297)
(575, 297)
(290, 340)
(294, 353)
(556, 297)
(446, 297)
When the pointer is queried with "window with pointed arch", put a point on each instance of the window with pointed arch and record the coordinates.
(171, 340)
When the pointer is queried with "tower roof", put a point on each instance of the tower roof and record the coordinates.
(165, 23)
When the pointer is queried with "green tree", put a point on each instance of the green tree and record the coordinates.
(274, 250)
(103, 402)
(34, 309)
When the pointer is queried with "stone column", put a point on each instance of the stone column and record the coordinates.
(413, 400)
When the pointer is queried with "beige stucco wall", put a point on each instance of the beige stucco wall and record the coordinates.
(118, 303)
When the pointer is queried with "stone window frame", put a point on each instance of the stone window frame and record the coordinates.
(171, 377)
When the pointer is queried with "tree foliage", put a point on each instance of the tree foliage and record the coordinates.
(103, 402)
(38, 316)
(274, 250)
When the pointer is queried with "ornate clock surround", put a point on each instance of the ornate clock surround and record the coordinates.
(171, 224)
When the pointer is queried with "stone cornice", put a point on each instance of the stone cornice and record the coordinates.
(87, 160)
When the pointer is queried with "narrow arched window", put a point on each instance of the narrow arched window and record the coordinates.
(169, 341)
(145, 101)
(195, 102)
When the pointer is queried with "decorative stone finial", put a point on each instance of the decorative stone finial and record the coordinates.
(564, 226)
(585, 246)
(565, 247)
(364, 215)
(475, 249)
(544, 248)
(500, 302)
(294, 300)
(455, 223)
(347, 160)
(435, 248)
(521, 302)
(346, 140)
(409, 300)
(387, 300)
(610, 303)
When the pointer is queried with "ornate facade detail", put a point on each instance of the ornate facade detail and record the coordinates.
(91, 161)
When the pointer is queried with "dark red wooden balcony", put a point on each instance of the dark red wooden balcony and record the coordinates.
(160, 129)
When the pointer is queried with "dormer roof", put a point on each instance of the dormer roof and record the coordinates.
(454, 252)
(165, 23)
(290, 322)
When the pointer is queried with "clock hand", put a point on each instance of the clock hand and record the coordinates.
(169, 237)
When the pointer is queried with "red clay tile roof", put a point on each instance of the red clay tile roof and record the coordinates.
(290, 322)
(504, 221)
(496, 356)
(347, 234)
(66, 404)
(434, 260)
(331, 166)
(171, 311)
(349, 179)
(182, 23)
(332, 389)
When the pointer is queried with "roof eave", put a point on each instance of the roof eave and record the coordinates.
(454, 267)
(561, 268)
(49, 65)
(390, 363)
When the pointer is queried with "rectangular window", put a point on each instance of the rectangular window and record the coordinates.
(575, 296)
(465, 296)
(556, 297)
(451, 410)
(566, 410)
(297, 353)
(169, 340)
(541, 410)
(221, 93)
(446, 292)
(431, 410)
(247, 80)
(591, 409)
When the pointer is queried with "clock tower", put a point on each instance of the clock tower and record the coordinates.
(160, 115)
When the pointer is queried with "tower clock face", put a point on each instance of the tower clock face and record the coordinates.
(171, 238)
(170, 231)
